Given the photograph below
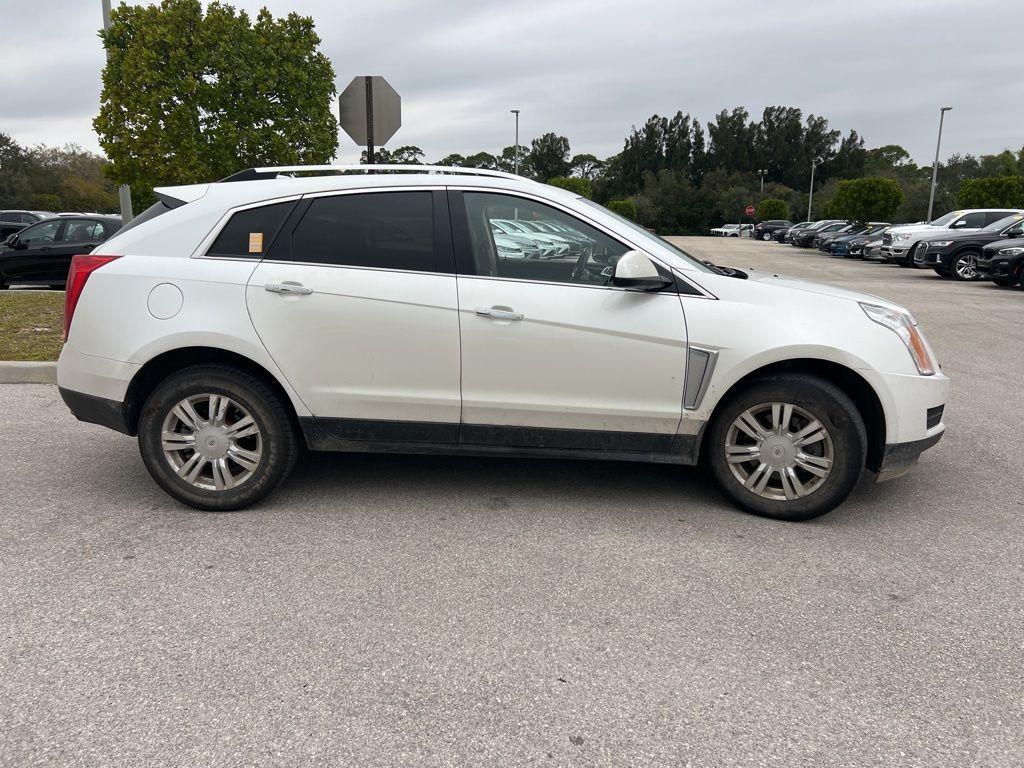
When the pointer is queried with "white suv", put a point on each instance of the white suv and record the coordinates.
(233, 323)
(898, 242)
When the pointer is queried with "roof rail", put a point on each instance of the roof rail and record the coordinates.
(272, 172)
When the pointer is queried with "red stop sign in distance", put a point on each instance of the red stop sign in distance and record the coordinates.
(750, 210)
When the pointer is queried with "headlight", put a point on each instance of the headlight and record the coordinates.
(901, 236)
(904, 325)
(857, 243)
(1015, 251)
(941, 243)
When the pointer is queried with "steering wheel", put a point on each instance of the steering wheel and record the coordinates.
(579, 272)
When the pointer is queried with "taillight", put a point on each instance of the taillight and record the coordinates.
(82, 266)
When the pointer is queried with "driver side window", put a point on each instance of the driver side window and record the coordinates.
(521, 239)
(40, 233)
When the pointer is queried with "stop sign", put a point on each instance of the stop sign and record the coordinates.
(750, 210)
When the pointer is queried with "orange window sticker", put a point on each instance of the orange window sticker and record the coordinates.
(255, 242)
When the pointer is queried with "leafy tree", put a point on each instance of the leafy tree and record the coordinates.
(481, 160)
(455, 161)
(780, 131)
(995, 192)
(575, 184)
(16, 170)
(626, 208)
(850, 158)
(772, 208)
(191, 97)
(867, 199)
(549, 156)
(732, 141)
(507, 161)
(402, 156)
(585, 166)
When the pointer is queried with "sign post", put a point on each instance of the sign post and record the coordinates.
(370, 112)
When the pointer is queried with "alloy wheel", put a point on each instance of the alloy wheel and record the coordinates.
(779, 451)
(967, 267)
(211, 442)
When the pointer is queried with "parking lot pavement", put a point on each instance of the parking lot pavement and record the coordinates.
(391, 610)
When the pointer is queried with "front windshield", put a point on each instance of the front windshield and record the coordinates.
(943, 220)
(1004, 223)
(643, 236)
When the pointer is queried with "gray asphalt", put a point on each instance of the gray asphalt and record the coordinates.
(418, 611)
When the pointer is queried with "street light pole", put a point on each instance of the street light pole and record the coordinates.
(763, 172)
(124, 192)
(810, 198)
(935, 165)
(516, 113)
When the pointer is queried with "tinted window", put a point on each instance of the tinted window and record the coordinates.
(156, 209)
(521, 239)
(81, 231)
(995, 216)
(40, 234)
(387, 230)
(970, 221)
(249, 233)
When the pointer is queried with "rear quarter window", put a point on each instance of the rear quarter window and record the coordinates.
(249, 233)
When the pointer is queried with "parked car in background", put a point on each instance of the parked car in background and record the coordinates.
(956, 254)
(804, 237)
(870, 251)
(854, 245)
(41, 253)
(837, 243)
(733, 230)
(898, 242)
(783, 235)
(1002, 262)
(765, 230)
(240, 321)
(12, 221)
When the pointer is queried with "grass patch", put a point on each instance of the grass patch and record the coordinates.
(31, 324)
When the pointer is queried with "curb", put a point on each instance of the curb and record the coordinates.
(27, 372)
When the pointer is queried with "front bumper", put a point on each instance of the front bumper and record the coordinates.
(1001, 269)
(900, 458)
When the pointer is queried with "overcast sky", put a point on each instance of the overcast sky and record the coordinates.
(590, 69)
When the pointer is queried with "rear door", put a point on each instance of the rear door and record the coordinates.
(77, 236)
(356, 302)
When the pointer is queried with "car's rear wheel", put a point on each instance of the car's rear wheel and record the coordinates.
(964, 266)
(791, 447)
(216, 438)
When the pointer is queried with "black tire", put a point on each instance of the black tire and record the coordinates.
(1003, 282)
(960, 262)
(766, 236)
(823, 401)
(279, 444)
(941, 272)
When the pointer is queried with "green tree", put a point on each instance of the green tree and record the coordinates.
(772, 208)
(626, 208)
(549, 156)
(190, 97)
(995, 192)
(408, 155)
(867, 199)
(581, 187)
(585, 166)
(17, 169)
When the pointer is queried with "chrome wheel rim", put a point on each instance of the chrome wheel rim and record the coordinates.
(779, 451)
(211, 442)
(967, 266)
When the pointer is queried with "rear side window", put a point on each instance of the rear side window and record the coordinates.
(970, 221)
(249, 233)
(383, 230)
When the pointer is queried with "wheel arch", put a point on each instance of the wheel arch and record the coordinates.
(855, 386)
(162, 365)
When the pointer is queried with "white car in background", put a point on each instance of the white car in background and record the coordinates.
(733, 230)
(898, 242)
(233, 323)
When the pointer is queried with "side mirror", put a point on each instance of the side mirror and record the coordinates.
(635, 270)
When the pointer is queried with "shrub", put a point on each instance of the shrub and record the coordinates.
(625, 208)
(772, 208)
(579, 186)
(868, 199)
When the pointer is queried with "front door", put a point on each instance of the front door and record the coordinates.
(356, 302)
(554, 356)
(28, 261)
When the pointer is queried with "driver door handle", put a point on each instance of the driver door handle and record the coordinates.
(497, 313)
(288, 287)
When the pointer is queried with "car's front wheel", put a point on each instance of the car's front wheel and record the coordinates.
(216, 438)
(790, 447)
(964, 266)
(766, 236)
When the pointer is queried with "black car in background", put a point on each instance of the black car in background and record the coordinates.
(40, 254)
(804, 237)
(15, 221)
(1002, 262)
(783, 235)
(851, 245)
(765, 230)
(956, 253)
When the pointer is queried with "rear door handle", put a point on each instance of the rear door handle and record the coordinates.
(288, 286)
(497, 313)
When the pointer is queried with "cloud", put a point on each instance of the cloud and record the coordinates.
(591, 69)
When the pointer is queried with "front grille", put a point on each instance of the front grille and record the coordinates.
(919, 251)
(886, 239)
(934, 416)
